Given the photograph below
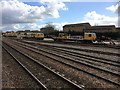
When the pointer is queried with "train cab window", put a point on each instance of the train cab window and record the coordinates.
(90, 35)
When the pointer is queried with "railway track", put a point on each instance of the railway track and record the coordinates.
(93, 45)
(31, 66)
(79, 44)
(78, 49)
(97, 76)
(74, 48)
(85, 58)
(74, 54)
(102, 62)
(26, 69)
(81, 53)
(14, 75)
(85, 50)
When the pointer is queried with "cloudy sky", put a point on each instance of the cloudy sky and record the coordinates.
(34, 14)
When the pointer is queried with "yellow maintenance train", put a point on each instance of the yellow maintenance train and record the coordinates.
(21, 35)
(9, 34)
(86, 38)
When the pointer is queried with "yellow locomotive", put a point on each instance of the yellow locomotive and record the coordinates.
(86, 38)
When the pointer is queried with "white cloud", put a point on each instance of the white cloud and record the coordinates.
(59, 26)
(9, 27)
(97, 19)
(71, 0)
(112, 8)
(30, 26)
(15, 27)
(43, 1)
(14, 12)
(54, 7)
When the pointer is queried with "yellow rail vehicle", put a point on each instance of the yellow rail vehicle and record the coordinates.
(39, 36)
(10, 34)
(86, 38)
(31, 35)
(23, 34)
(89, 36)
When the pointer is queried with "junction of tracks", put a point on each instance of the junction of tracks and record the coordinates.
(32, 64)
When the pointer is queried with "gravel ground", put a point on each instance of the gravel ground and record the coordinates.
(13, 74)
(56, 65)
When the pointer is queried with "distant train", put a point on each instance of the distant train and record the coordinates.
(9, 34)
(30, 35)
(21, 35)
(86, 38)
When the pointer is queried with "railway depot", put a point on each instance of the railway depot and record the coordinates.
(80, 32)
(51, 65)
(86, 27)
(60, 45)
(60, 62)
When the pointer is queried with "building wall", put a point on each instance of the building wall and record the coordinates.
(88, 28)
(102, 29)
(76, 27)
(46, 30)
(118, 29)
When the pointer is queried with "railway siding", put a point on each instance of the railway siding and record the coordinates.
(113, 65)
(55, 53)
(93, 52)
(14, 75)
(49, 82)
(84, 63)
(56, 66)
(90, 48)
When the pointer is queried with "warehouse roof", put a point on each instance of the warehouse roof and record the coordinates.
(102, 26)
(78, 24)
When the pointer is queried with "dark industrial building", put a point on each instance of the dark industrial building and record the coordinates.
(76, 27)
(102, 29)
(86, 27)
